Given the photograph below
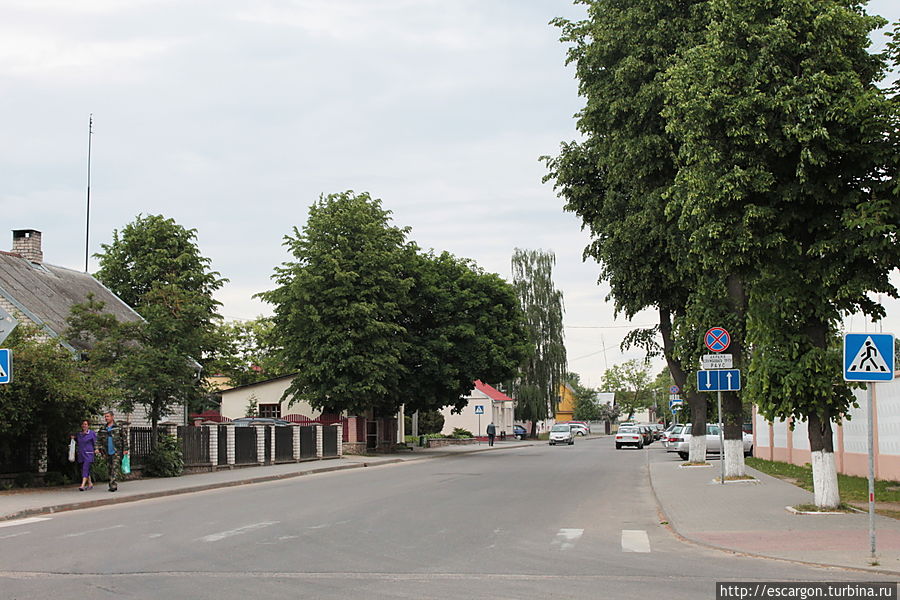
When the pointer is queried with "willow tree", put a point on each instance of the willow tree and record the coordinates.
(618, 178)
(785, 181)
(537, 387)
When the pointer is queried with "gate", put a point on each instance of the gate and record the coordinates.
(308, 441)
(223, 444)
(245, 445)
(329, 441)
(141, 441)
(284, 444)
(194, 445)
(269, 435)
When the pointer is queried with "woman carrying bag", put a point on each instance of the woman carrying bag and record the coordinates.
(86, 441)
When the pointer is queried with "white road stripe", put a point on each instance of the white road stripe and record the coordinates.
(215, 537)
(635, 540)
(23, 521)
(566, 538)
(90, 531)
(12, 535)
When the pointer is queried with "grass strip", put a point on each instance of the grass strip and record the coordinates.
(851, 487)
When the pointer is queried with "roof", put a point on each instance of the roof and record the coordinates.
(247, 385)
(491, 392)
(46, 293)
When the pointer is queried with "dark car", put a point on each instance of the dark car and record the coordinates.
(520, 432)
(249, 421)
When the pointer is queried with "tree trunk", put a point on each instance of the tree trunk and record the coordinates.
(732, 408)
(821, 439)
(821, 445)
(696, 402)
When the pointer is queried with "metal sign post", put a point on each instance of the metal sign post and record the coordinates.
(870, 392)
(869, 357)
(721, 441)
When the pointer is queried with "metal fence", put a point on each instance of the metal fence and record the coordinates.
(245, 445)
(307, 441)
(329, 441)
(194, 443)
(140, 444)
(268, 434)
(284, 444)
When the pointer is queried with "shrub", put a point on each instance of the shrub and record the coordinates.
(24, 480)
(461, 434)
(99, 472)
(166, 460)
(53, 478)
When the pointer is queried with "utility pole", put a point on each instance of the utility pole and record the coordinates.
(87, 226)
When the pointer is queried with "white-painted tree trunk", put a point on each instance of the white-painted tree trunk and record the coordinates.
(825, 482)
(697, 452)
(734, 458)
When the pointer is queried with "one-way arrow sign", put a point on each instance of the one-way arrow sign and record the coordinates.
(719, 381)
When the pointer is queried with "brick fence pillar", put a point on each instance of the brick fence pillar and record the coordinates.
(213, 444)
(319, 441)
(340, 439)
(260, 444)
(229, 443)
(295, 431)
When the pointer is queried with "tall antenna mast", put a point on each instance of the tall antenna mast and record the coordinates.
(87, 226)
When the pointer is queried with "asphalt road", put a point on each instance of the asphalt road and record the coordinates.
(536, 522)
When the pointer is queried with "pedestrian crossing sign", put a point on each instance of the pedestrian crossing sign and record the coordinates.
(479, 409)
(868, 357)
(5, 365)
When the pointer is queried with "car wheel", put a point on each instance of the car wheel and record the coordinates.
(640, 446)
(572, 442)
(749, 452)
(618, 446)
(551, 443)
(683, 455)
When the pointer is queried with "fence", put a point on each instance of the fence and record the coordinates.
(140, 443)
(284, 444)
(194, 445)
(245, 445)
(329, 441)
(307, 441)
(326, 420)
(223, 445)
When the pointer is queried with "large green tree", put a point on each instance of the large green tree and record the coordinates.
(246, 352)
(536, 388)
(785, 185)
(618, 178)
(155, 265)
(633, 385)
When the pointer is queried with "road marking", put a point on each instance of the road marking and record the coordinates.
(90, 531)
(23, 521)
(635, 540)
(12, 535)
(566, 538)
(215, 537)
(154, 535)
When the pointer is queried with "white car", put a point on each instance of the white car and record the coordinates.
(562, 433)
(712, 441)
(629, 436)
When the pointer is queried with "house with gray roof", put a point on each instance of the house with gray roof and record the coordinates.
(35, 292)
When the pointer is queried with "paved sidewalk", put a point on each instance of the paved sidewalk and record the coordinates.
(751, 518)
(22, 503)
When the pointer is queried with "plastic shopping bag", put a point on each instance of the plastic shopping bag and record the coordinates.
(126, 464)
(71, 450)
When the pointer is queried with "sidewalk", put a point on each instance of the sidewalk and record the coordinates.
(22, 503)
(751, 518)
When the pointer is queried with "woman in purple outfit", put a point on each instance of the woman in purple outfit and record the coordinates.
(85, 441)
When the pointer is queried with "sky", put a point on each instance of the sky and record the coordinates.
(232, 117)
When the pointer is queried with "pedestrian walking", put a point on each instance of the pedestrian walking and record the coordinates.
(492, 433)
(112, 443)
(85, 446)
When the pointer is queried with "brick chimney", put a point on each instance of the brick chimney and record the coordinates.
(27, 242)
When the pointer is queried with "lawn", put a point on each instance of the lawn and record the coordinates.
(853, 489)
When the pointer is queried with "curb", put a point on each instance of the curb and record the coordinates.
(70, 506)
(667, 523)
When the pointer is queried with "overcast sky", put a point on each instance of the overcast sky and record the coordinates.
(233, 116)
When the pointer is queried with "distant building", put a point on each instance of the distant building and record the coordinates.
(486, 404)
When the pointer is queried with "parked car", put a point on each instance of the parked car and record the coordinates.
(712, 442)
(562, 433)
(647, 433)
(665, 434)
(248, 421)
(520, 432)
(658, 429)
(579, 428)
(629, 436)
(675, 437)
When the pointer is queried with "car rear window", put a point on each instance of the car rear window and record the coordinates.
(627, 430)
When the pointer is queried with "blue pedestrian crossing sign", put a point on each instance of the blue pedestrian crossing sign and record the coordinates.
(868, 357)
(724, 380)
(479, 409)
(5, 365)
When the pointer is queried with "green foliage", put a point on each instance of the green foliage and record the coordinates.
(367, 322)
(430, 421)
(155, 266)
(24, 480)
(632, 385)
(252, 407)
(536, 388)
(49, 391)
(165, 460)
(461, 434)
(246, 352)
(55, 478)
(586, 407)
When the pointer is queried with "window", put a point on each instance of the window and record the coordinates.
(270, 411)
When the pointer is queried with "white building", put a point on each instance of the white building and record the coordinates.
(494, 407)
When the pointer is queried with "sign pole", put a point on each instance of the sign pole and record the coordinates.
(870, 392)
(479, 429)
(721, 441)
